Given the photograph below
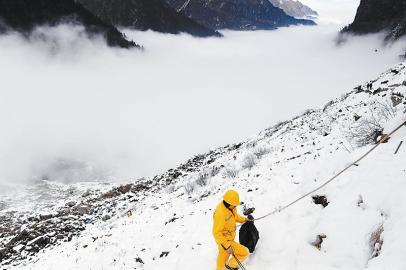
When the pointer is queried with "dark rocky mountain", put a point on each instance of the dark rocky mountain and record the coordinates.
(154, 15)
(24, 15)
(236, 14)
(377, 15)
(295, 8)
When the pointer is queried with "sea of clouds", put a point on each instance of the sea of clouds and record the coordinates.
(73, 109)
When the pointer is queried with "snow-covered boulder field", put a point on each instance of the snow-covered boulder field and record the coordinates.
(357, 222)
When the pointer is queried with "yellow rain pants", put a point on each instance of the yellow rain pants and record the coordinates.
(224, 227)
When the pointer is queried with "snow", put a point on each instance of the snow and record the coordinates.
(41, 196)
(302, 154)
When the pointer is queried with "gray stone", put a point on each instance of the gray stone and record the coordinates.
(106, 217)
(71, 204)
(45, 216)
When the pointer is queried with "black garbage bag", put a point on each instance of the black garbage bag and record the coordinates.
(249, 235)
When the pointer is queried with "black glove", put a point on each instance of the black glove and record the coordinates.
(248, 211)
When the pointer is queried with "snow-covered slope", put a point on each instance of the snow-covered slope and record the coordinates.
(165, 222)
(295, 8)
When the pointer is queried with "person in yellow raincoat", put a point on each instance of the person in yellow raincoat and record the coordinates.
(224, 230)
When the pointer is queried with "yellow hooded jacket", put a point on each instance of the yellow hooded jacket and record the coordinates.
(224, 225)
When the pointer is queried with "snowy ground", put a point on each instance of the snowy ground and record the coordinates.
(171, 228)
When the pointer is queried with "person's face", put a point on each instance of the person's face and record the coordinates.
(232, 207)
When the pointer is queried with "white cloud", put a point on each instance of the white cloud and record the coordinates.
(116, 114)
(334, 11)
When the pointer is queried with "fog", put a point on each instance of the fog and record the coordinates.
(72, 109)
(334, 11)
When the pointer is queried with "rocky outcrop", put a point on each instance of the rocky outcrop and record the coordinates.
(236, 14)
(22, 235)
(25, 15)
(154, 15)
(375, 16)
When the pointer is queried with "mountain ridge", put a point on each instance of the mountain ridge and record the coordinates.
(25, 15)
(375, 16)
(295, 8)
(236, 14)
(154, 15)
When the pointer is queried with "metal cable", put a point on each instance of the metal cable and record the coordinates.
(239, 263)
(383, 139)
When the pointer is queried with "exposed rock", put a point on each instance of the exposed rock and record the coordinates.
(322, 200)
(33, 219)
(84, 209)
(2, 254)
(39, 241)
(87, 193)
(71, 204)
(45, 216)
(360, 201)
(396, 99)
(117, 191)
(164, 254)
(171, 220)
(319, 240)
(23, 236)
(376, 15)
(139, 187)
(106, 217)
(124, 189)
(39, 234)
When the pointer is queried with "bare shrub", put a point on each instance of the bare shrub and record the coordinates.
(230, 172)
(365, 132)
(249, 161)
(170, 189)
(251, 144)
(385, 110)
(260, 151)
(213, 171)
(202, 179)
(189, 187)
(368, 130)
(376, 242)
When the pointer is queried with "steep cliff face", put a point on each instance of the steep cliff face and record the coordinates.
(376, 15)
(236, 14)
(24, 15)
(154, 15)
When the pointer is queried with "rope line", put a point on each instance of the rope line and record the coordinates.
(383, 139)
(239, 263)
